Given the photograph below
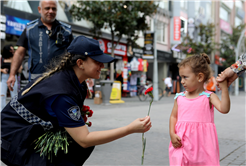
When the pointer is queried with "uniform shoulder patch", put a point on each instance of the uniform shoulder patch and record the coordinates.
(74, 113)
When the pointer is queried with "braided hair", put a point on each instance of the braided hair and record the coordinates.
(66, 61)
(199, 63)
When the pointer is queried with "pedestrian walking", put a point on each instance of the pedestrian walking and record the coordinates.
(7, 55)
(44, 38)
(52, 102)
(168, 83)
(231, 73)
(192, 130)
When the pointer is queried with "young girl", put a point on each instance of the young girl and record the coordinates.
(192, 130)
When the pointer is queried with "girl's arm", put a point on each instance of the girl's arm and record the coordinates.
(222, 106)
(173, 118)
(86, 139)
(175, 139)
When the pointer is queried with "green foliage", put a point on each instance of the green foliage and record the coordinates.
(121, 17)
(205, 45)
(229, 44)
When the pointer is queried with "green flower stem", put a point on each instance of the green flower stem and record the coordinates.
(144, 139)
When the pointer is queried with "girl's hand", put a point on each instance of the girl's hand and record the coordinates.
(140, 125)
(223, 84)
(176, 141)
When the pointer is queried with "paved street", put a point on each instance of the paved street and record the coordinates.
(128, 150)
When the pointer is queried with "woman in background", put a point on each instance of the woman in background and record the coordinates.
(7, 55)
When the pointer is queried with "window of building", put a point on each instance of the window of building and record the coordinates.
(183, 29)
(163, 4)
(183, 4)
(161, 31)
(224, 14)
(238, 21)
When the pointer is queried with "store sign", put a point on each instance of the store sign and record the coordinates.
(137, 52)
(225, 26)
(15, 25)
(164, 56)
(148, 51)
(106, 47)
(176, 26)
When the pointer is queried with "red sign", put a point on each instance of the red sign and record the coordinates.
(176, 26)
(106, 47)
(225, 26)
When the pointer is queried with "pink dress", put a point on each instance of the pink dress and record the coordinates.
(195, 126)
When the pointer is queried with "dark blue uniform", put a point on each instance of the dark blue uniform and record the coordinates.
(52, 104)
(43, 45)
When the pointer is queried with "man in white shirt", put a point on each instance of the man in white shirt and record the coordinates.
(168, 83)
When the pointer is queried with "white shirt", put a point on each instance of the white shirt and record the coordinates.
(168, 82)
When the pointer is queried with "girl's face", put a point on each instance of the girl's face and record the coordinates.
(92, 68)
(188, 78)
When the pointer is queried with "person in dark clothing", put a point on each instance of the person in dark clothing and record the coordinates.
(52, 102)
(44, 39)
(7, 56)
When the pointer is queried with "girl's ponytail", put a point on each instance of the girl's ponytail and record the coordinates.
(206, 57)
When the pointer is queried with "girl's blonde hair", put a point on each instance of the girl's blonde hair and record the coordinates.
(199, 64)
(57, 64)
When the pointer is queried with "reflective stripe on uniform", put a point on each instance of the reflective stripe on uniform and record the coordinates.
(28, 116)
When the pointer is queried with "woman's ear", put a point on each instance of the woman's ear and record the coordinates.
(80, 63)
(200, 77)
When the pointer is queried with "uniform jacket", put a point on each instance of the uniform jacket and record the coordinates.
(43, 47)
(24, 119)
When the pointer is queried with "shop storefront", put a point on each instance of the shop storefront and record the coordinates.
(137, 69)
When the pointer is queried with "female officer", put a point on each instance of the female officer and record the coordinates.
(53, 101)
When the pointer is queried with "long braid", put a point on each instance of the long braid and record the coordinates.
(65, 62)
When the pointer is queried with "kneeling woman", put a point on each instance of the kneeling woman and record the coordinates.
(52, 102)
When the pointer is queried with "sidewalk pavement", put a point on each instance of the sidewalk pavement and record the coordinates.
(127, 151)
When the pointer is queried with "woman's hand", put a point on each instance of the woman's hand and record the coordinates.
(228, 74)
(5, 70)
(176, 141)
(140, 125)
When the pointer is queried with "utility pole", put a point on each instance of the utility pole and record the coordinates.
(155, 67)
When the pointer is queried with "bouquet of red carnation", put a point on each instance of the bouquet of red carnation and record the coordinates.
(148, 91)
(51, 141)
(85, 113)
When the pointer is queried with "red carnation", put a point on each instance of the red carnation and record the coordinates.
(85, 108)
(89, 124)
(90, 112)
(148, 90)
(84, 117)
